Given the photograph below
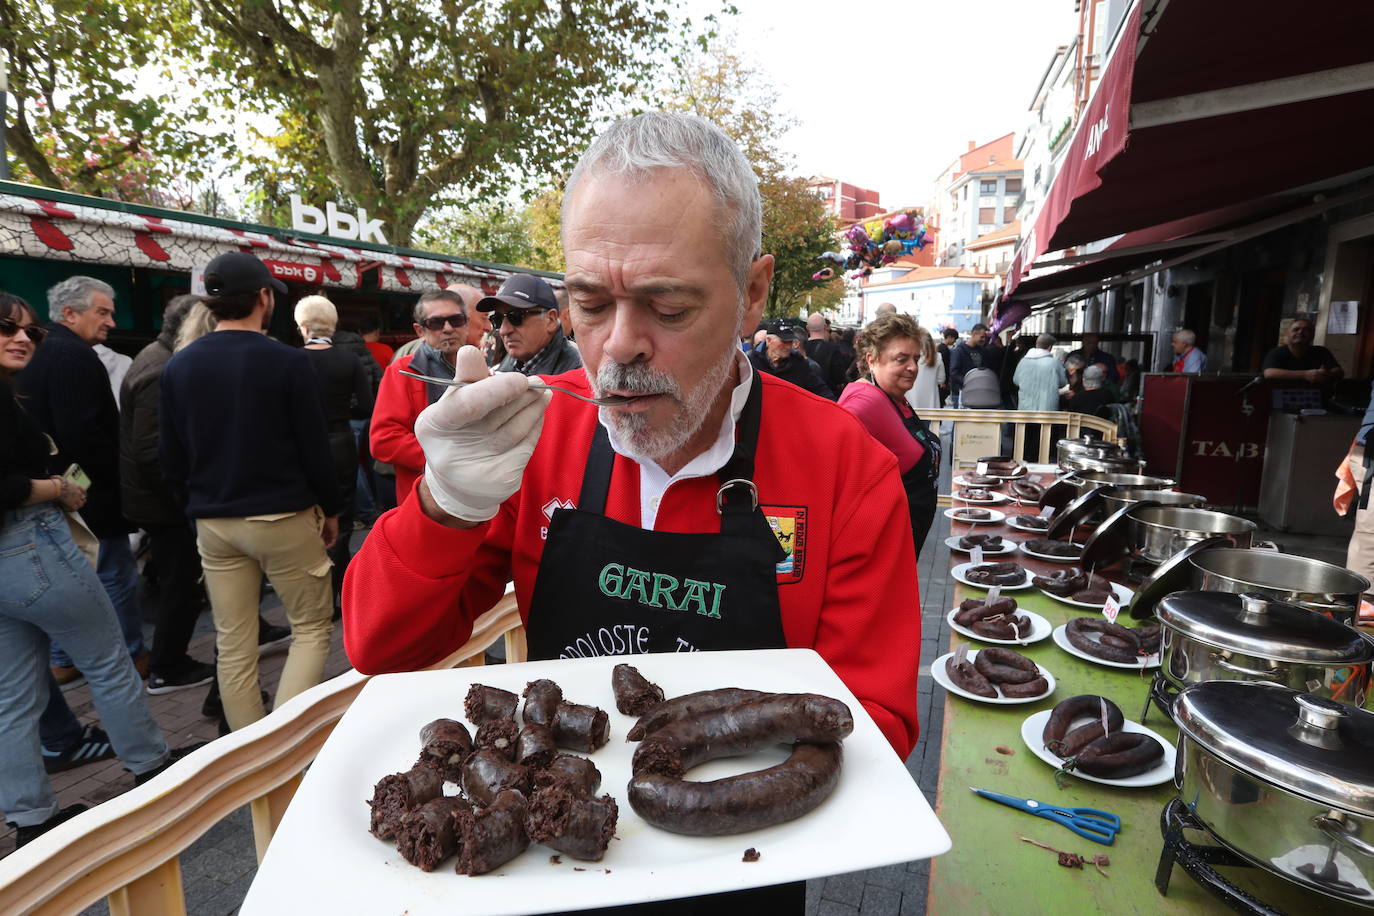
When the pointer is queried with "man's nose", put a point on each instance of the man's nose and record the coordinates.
(628, 340)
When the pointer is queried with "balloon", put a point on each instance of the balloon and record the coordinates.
(833, 257)
(825, 273)
(892, 248)
(874, 230)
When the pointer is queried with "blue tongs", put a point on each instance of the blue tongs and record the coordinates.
(1098, 826)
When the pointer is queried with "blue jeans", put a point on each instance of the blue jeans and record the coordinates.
(49, 591)
(362, 495)
(118, 572)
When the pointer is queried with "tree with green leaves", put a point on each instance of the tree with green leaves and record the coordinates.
(79, 123)
(405, 107)
(493, 232)
(711, 79)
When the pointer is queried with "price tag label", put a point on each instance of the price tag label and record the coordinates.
(976, 556)
(1102, 703)
(1314, 685)
(994, 593)
(1111, 609)
(961, 654)
(982, 468)
(1046, 511)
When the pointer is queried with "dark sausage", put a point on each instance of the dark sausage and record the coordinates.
(1078, 629)
(572, 772)
(1064, 743)
(1149, 638)
(487, 773)
(1036, 688)
(966, 676)
(399, 793)
(737, 804)
(634, 693)
(498, 735)
(1119, 755)
(688, 705)
(541, 701)
(428, 835)
(446, 744)
(1017, 626)
(780, 718)
(485, 703)
(571, 823)
(581, 728)
(490, 837)
(535, 746)
(1003, 666)
(974, 609)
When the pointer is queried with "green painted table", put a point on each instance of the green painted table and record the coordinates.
(989, 870)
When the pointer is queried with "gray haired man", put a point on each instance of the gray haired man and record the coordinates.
(67, 392)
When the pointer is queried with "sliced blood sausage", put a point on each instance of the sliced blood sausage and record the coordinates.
(446, 743)
(634, 693)
(572, 823)
(490, 837)
(535, 746)
(1003, 666)
(580, 728)
(428, 835)
(498, 735)
(687, 706)
(487, 773)
(1119, 755)
(399, 793)
(572, 772)
(484, 703)
(541, 701)
(741, 803)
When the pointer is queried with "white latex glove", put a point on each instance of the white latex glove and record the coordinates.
(478, 439)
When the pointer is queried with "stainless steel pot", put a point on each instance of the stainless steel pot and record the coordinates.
(1128, 481)
(1085, 446)
(1218, 636)
(1317, 586)
(1107, 464)
(1121, 497)
(1159, 532)
(1283, 779)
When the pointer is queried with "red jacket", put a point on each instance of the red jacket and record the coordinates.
(413, 591)
(392, 434)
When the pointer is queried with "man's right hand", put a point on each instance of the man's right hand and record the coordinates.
(478, 439)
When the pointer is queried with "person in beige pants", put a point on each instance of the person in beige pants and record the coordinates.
(235, 553)
(243, 430)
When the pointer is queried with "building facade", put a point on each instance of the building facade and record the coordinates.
(844, 201)
(977, 194)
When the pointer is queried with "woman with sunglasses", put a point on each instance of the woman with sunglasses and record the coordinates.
(48, 590)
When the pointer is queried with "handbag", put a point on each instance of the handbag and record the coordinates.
(83, 537)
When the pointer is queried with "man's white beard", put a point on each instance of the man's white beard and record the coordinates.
(640, 440)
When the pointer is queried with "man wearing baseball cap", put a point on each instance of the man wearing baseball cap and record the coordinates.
(524, 313)
(783, 356)
(242, 432)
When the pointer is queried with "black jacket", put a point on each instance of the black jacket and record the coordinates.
(147, 497)
(66, 391)
(355, 344)
(795, 369)
(23, 452)
(834, 367)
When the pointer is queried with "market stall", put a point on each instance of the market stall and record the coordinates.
(991, 868)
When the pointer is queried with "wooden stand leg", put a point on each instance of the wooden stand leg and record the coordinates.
(517, 648)
(267, 813)
(158, 893)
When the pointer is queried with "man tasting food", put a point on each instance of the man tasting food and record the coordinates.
(683, 517)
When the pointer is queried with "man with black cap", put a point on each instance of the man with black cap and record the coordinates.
(243, 434)
(524, 313)
(782, 356)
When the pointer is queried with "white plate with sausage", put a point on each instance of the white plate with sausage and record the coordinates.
(322, 858)
(993, 516)
(1033, 731)
(960, 572)
(1040, 629)
(940, 675)
(1061, 639)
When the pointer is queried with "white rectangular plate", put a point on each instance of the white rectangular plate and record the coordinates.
(322, 859)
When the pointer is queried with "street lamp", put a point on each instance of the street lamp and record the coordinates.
(4, 103)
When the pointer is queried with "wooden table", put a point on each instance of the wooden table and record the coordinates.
(989, 870)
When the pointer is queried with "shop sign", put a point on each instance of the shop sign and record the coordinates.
(332, 221)
(294, 273)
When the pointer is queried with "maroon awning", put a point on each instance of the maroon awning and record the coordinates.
(1228, 102)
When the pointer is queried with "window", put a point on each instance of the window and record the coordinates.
(1008, 214)
(987, 186)
(987, 214)
(1013, 184)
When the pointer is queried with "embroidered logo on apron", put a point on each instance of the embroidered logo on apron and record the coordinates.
(788, 524)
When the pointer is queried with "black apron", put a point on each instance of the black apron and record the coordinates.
(921, 479)
(608, 588)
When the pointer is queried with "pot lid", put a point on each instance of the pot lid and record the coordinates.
(1173, 575)
(1264, 627)
(1306, 744)
(1064, 521)
(1111, 541)
(1060, 493)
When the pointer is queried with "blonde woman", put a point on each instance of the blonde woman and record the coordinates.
(930, 374)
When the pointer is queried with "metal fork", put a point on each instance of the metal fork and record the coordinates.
(610, 400)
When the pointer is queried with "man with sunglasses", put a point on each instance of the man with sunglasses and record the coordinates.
(524, 313)
(442, 319)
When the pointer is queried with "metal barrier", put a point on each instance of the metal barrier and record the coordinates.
(128, 848)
